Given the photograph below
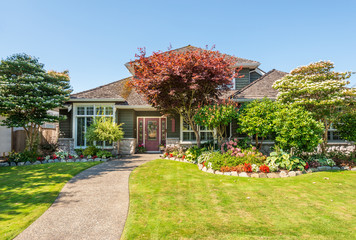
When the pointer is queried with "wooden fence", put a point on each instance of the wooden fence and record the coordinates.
(48, 135)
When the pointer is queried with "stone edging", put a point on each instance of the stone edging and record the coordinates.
(280, 174)
(12, 164)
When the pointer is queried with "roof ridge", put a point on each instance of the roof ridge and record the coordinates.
(100, 86)
(258, 80)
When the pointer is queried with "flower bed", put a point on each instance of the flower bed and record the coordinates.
(20, 159)
(249, 162)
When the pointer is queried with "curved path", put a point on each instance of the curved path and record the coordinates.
(92, 205)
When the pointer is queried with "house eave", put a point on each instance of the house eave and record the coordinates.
(97, 100)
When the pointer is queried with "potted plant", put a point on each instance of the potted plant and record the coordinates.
(162, 147)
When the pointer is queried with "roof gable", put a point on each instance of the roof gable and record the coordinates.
(261, 88)
(117, 90)
(239, 61)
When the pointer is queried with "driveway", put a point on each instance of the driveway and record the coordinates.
(92, 205)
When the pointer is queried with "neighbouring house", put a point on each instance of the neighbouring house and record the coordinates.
(5, 139)
(143, 124)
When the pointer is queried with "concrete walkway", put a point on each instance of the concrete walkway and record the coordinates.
(92, 205)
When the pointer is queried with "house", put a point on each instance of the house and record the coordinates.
(5, 139)
(143, 124)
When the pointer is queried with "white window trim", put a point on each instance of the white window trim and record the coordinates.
(192, 142)
(75, 115)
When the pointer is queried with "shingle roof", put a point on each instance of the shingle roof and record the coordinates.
(114, 90)
(261, 88)
(239, 61)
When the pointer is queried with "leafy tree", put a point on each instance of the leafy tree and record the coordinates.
(27, 92)
(319, 90)
(104, 129)
(256, 119)
(296, 129)
(346, 126)
(217, 116)
(178, 82)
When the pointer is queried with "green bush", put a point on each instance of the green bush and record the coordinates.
(284, 160)
(91, 151)
(24, 156)
(79, 151)
(193, 153)
(296, 129)
(104, 154)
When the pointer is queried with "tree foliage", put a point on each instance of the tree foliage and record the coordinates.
(346, 126)
(104, 129)
(256, 119)
(217, 116)
(319, 90)
(27, 92)
(296, 129)
(178, 82)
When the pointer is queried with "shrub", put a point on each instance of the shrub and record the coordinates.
(62, 154)
(205, 156)
(296, 129)
(193, 153)
(283, 160)
(104, 154)
(104, 129)
(48, 148)
(90, 151)
(79, 151)
(141, 148)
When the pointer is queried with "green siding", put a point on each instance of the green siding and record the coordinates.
(65, 126)
(175, 134)
(148, 114)
(254, 76)
(244, 81)
(127, 116)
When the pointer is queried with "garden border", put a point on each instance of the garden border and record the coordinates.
(280, 174)
(77, 160)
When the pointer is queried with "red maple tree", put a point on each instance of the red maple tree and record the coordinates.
(179, 81)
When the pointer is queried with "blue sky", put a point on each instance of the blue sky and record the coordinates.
(93, 39)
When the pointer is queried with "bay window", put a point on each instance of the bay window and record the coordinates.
(84, 116)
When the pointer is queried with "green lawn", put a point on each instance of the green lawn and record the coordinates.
(27, 191)
(174, 200)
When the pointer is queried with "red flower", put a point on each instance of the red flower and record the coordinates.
(165, 154)
(171, 155)
(264, 168)
(70, 157)
(94, 157)
(81, 156)
(306, 167)
(248, 167)
(183, 156)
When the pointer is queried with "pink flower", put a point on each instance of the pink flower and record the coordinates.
(238, 149)
(235, 139)
(253, 148)
(231, 142)
(235, 143)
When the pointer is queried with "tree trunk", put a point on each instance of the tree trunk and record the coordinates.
(197, 136)
(256, 141)
(325, 137)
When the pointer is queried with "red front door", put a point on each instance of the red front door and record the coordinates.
(152, 134)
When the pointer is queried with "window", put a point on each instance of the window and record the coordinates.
(333, 135)
(84, 117)
(188, 135)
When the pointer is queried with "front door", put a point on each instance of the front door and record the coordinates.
(152, 134)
